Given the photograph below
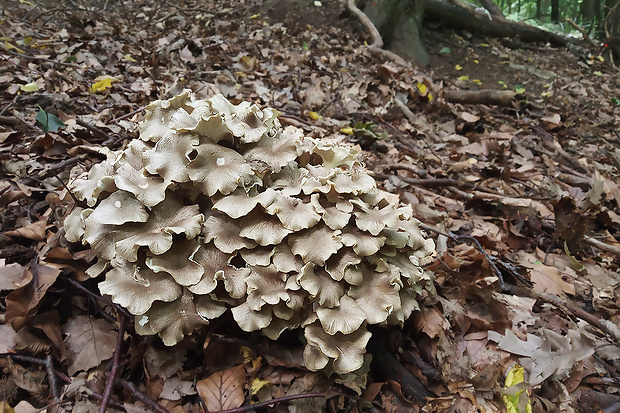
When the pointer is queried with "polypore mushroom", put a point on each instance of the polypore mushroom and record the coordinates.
(216, 207)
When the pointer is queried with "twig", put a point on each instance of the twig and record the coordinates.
(251, 407)
(614, 249)
(126, 115)
(148, 402)
(95, 130)
(46, 60)
(97, 297)
(605, 326)
(71, 194)
(51, 377)
(116, 362)
(460, 238)
(14, 120)
(60, 375)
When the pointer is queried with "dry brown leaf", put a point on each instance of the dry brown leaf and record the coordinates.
(7, 338)
(22, 302)
(13, 276)
(223, 389)
(34, 231)
(90, 341)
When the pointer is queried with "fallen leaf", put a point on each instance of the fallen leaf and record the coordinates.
(90, 341)
(223, 389)
(29, 87)
(22, 303)
(34, 231)
(13, 276)
(550, 354)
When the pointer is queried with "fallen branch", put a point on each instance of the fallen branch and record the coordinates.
(255, 406)
(126, 115)
(44, 59)
(95, 130)
(146, 400)
(614, 249)
(51, 377)
(605, 326)
(483, 97)
(456, 16)
(116, 362)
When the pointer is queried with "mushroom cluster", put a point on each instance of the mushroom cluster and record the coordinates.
(217, 207)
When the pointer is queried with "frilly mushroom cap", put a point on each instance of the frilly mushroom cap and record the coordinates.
(216, 207)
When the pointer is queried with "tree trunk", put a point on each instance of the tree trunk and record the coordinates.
(555, 11)
(398, 22)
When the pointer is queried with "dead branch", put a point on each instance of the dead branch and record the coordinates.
(605, 326)
(95, 130)
(613, 249)
(51, 377)
(116, 362)
(483, 97)
(254, 406)
(146, 400)
(581, 30)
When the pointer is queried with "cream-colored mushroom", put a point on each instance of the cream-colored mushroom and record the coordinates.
(216, 208)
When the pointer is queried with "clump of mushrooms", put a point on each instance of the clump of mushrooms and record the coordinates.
(217, 207)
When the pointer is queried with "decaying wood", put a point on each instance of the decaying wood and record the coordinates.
(484, 97)
(456, 16)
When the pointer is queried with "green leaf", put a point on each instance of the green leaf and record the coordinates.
(616, 100)
(445, 51)
(49, 122)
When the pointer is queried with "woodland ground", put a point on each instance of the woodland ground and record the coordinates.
(522, 201)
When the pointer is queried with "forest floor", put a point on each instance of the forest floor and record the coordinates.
(522, 200)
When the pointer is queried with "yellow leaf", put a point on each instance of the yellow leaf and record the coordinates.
(484, 45)
(515, 376)
(601, 58)
(422, 88)
(258, 384)
(101, 85)
(458, 67)
(6, 408)
(477, 81)
(314, 115)
(128, 57)
(30, 87)
(430, 97)
(545, 94)
(348, 130)
(9, 46)
(476, 61)
(597, 73)
(28, 40)
(103, 82)
(520, 89)
(464, 78)
(26, 2)
(254, 16)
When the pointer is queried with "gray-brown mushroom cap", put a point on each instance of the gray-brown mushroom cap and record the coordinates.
(216, 208)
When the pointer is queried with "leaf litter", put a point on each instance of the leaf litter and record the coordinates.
(524, 196)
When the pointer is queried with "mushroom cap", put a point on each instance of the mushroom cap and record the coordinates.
(216, 208)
